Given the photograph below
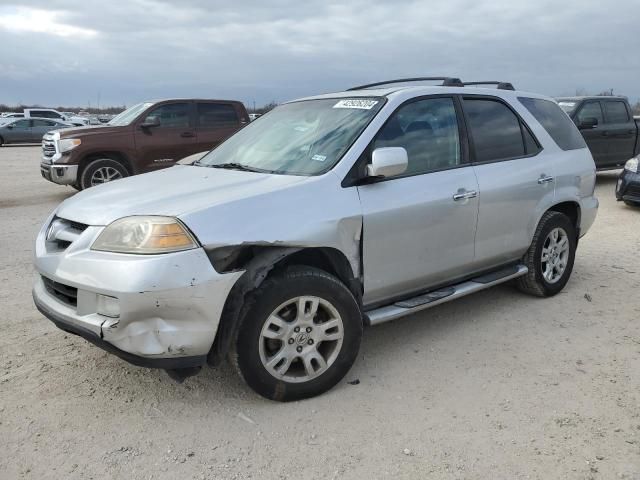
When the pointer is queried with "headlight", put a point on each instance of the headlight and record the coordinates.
(632, 165)
(68, 144)
(145, 235)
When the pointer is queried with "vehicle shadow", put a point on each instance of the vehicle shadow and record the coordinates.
(31, 200)
(392, 344)
(607, 178)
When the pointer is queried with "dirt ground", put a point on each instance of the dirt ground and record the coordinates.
(497, 385)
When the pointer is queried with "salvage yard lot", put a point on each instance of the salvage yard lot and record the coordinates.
(495, 385)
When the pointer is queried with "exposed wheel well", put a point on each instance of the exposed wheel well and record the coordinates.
(258, 261)
(571, 210)
(117, 156)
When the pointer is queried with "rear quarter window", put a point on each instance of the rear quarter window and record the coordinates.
(557, 124)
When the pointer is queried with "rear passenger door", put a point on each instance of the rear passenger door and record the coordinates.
(596, 136)
(419, 227)
(620, 132)
(215, 121)
(175, 138)
(513, 180)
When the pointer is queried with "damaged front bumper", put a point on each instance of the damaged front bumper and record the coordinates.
(164, 309)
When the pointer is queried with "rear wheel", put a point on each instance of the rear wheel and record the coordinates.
(1, 141)
(550, 256)
(300, 335)
(101, 171)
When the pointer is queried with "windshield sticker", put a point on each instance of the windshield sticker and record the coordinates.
(356, 103)
(319, 158)
(301, 129)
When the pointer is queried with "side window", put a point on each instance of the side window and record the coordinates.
(217, 115)
(495, 130)
(428, 131)
(43, 123)
(616, 112)
(22, 124)
(171, 115)
(557, 123)
(590, 110)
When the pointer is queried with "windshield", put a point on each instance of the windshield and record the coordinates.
(568, 107)
(300, 138)
(129, 115)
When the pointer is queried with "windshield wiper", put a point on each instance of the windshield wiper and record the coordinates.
(237, 166)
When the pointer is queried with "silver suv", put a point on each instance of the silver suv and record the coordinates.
(328, 214)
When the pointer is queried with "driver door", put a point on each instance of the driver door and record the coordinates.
(419, 227)
(20, 131)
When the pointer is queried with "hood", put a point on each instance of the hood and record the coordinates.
(172, 192)
(90, 130)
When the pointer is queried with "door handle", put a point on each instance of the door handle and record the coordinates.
(187, 134)
(464, 194)
(545, 179)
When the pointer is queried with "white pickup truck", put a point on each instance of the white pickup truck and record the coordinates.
(76, 120)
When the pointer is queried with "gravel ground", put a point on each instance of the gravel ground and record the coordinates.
(496, 385)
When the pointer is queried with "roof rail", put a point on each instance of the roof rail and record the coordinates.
(446, 82)
(500, 85)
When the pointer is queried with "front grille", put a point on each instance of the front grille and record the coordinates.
(633, 190)
(48, 146)
(64, 293)
(62, 233)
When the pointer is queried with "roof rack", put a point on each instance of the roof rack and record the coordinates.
(500, 85)
(446, 82)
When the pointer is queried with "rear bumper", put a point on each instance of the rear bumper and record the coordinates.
(628, 187)
(588, 211)
(60, 174)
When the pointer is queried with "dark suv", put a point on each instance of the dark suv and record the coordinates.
(146, 137)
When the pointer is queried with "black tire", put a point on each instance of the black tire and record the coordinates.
(534, 281)
(626, 202)
(89, 170)
(1, 141)
(280, 287)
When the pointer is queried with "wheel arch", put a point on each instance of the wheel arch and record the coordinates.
(571, 209)
(110, 154)
(258, 261)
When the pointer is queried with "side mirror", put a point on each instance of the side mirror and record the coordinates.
(589, 122)
(10, 127)
(387, 162)
(151, 121)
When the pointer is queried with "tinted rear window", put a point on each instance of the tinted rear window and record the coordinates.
(616, 112)
(557, 124)
(495, 130)
(217, 115)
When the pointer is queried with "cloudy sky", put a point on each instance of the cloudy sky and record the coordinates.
(63, 52)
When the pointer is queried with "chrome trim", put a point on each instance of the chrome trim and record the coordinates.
(60, 174)
(465, 195)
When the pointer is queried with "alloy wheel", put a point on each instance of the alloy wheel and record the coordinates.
(301, 339)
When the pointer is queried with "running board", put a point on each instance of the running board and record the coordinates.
(431, 299)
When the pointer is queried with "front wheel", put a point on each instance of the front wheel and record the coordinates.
(550, 256)
(101, 171)
(300, 336)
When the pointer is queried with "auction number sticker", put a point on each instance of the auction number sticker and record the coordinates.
(356, 103)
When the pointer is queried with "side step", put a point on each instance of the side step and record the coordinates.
(431, 299)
